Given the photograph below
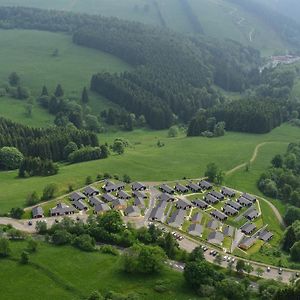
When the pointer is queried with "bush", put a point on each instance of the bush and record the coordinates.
(107, 249)
(24, 259)
(84, 242)
(85, 154)
(10, 158)
(49, 191)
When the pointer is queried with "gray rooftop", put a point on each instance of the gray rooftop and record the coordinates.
(194, 186)
(80, 205)
(197, 217)
(205, 184)
(95, 201)
(123, 195)
(230, 210)
(102, 207)
(195, 229)
(228, 230)
(216, 237)
(166, 189)
(157, 213)
(249, 197)
(37, 211)
(265, 235)
(247, 242)
(119, 202)
(90, 190)
(213, 224)
(108, 197)
(139, 194)
(139, 201)
(166, 197)
(219, 215)
(228, 192)
(132, 211)
(217, 195)
(248, 228)
(252, 214)
(244, 201)
(75, 196)
(211, 199)
(182, 203)
(200, 203)
(234, 204)
(62, 209)
(181, 188)
(138, 186)
(177, 218)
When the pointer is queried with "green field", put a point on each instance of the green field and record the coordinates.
(29, 53)
(67, 273)
(143, 160)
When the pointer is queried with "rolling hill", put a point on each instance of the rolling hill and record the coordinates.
(223, 19)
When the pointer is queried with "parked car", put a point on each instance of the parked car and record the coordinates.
(225, 258)
(205, 249)
(297, 274)
(215, 253)
(268, 269)
(280, 271)
(29, 222)
(211, 252)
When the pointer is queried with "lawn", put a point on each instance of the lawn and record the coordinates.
(29, 53)
(83, 273)
(144, 161)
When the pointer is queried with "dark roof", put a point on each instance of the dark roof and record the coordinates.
(211, 199)
(166, 189)
(200, 203)
(247, 242)
(181, 188)
(165, 197)
(205, 184)
(80, 205)
(138, 186)
(108, 197)
(230, 210)
(95, 201)
(37, 211)
(249, 197)
(193, 186)
(248, 228)
(132, 211)
(228, 192)
(252, 214)
(213, 224)
(217, 195)
(228, 230)
(139, 201)
(177, 218)
(234, 204)
(122, 194)
(102, 207)
(110, 186)
(75, 196)
(62, 209)
(158, 212)
(244, 201)
(216, 237)
(197, 217)
(195, 229)
(90, 190)
(119, 202)
(181, 203)
(265, 235)
(219, 215)
(139, 194)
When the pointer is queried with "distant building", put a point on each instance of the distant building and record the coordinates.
(37, 212)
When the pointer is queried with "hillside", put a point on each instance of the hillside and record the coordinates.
(222, 19)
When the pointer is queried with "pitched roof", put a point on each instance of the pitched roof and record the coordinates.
(80, 205)
(95, 201)
(62, 209)
(216, 237)
(219, 215)
(158, 212)
(228, 192)
(139, 194)
(119, 202)
(200, 203)
(244, 201)
(166, 197)
(234, 204)
(181, 188)
(197, 217)
(265, 235)
(228, 230)
(75, 196)
(89, 190)
(182, 203)
(213, 224)
(102, 207)
(37, 211)
(167, 189)
(217, 195)
(138, 186)
(205, 184)
(230, 210)
(195, 229)
(247, 242)
(248, 228)
(132, 211)
(139, 201)
(194, 186)
(251, 214)
(108, 197)
(122, 194)
(211, 199)
(177, 218)
(249, 197)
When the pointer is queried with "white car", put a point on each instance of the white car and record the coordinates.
(225, 258)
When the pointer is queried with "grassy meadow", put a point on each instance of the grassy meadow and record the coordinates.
(29, 53)
(68, 273)
(143, 160)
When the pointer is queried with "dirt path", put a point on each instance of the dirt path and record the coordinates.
(275, 210)
(253, 158)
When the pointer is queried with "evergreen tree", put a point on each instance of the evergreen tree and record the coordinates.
(44, 91)
(59, 91)
(85, 96)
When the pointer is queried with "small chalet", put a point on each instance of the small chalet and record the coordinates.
(218, 215)
(101, 208)
(177, 218)
(132, 211)
(205, 185)
(200, 203)
(139, 194)
(94, 201)
(62, 209)
(138, 186)
(80, 205)
(229, 210)
(166, 197)
(195, 188)
(210, 199)
(77, 196)
(228, 230)
(139, 202)
(248, 228)
(196, 218)
(37, 212)
(228, 192)
(158, 212)
(90, 191)
(181, 188)
(265, 235)
(244, 202)
(213, 224)
(234, 205)
(195, 230)
(108, 197)
(119, 204)
(123, 195)
(183, 204)
(216, 237)
(166, 189)
(249, 197)
(217, 195)
(247, 243)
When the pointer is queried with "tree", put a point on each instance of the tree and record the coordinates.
(32, 199)
(41, 227)
(69, 148)
(61, 237)
(277, 161)
(92, 123)
(111, 222)
(218, 259)
(295, 252)
(88, 180)
(126, 178)
(95, 296)
(220, 177)
(84, 242)
(248, 268)
(14, 79)
(170, 245)
(4, 247)
(230, 289)
(196, 254)
(259, 271)
(211, 172)
(15, 234)
(24, 259)
(31, 245)
(17, 212)
(219, 129)
(10, 158)
(44, 91)
(49, 191)
(240, 266)
(59, 92)
(118, 147)
(292, 214)
(173, 131)
(85, 96)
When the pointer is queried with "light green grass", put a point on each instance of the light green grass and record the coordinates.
(29, 53)
(85, 272)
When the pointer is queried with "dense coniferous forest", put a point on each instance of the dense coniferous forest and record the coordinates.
(44, 143)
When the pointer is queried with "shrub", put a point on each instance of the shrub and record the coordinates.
(107, 249)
